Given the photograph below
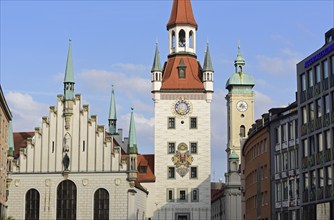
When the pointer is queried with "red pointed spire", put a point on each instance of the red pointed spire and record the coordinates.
(182, 13)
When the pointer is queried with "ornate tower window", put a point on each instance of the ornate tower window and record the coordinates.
(191, 39)
(182, 69)
(173, 39)
(182, 38)
(32, 205)
(101, 204)
(66, 200)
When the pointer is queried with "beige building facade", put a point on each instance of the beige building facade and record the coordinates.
(5, 118)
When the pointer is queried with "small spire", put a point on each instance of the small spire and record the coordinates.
(156, 67)
(112, 109)
(112, 113)
(10, 139)
(207, 66)
(239, 61)
(69, 72)
(132, 144)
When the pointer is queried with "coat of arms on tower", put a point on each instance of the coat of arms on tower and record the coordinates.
(182, 159)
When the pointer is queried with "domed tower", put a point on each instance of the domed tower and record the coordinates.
(240, 105)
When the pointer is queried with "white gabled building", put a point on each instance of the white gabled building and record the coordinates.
(72, 168)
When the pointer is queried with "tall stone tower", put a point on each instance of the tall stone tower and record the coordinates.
(182, 93)
(240, 116)
(240, 105)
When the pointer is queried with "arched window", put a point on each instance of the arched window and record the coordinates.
(182, 38)
(191, 39)
(242, 131)
(32, 205)
(66, 200)
(173, 39)
(101, 204)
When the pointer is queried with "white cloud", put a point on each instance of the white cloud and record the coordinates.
(282, 39)
(27, 113)
(262, 104)
(129, 67)
(124, 84)
(285, 64)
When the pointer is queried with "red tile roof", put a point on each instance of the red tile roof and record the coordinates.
(171, 80)
(216, 194)
(20, 141)
(146, 160)
(182, 13)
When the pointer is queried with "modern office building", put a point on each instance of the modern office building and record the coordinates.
(5, 147)
(284, 167)
(315, 85)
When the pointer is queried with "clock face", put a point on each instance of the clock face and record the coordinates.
(242, 106)
(182, 107)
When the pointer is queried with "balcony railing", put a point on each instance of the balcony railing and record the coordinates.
(311, 126)
(327, 155)
(320, 158)
(309, 93)
(305, 195)
(325, 84)
(311, 161)
(326, 120)
(312, 194)
(304, 162)
(329, 193)
(320, 193)
(303, 96)
(317, 89)
(304, 129)
(318, 123)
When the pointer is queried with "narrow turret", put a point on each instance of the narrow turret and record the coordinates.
(112, 113)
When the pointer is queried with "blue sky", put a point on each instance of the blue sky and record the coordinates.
(114, 42)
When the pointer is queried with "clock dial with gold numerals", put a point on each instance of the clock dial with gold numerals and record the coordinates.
(182, 107)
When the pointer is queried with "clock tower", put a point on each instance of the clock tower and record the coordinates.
(240, 105)
(182, 93)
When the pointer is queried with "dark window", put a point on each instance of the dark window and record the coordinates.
(193, 172)
(171, 123)
(142, 169)
(171, 148)
(193, 123)
(182, 195)
(170, 195)
(193, 148)
(171, 172)
(242, 131)
(66, 200)
(101, 204)
(194, 195)
(32, 205)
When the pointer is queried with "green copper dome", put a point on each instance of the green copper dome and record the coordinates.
(242, 81)
(234, 156)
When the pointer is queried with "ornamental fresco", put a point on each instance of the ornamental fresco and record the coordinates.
(182, 159)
